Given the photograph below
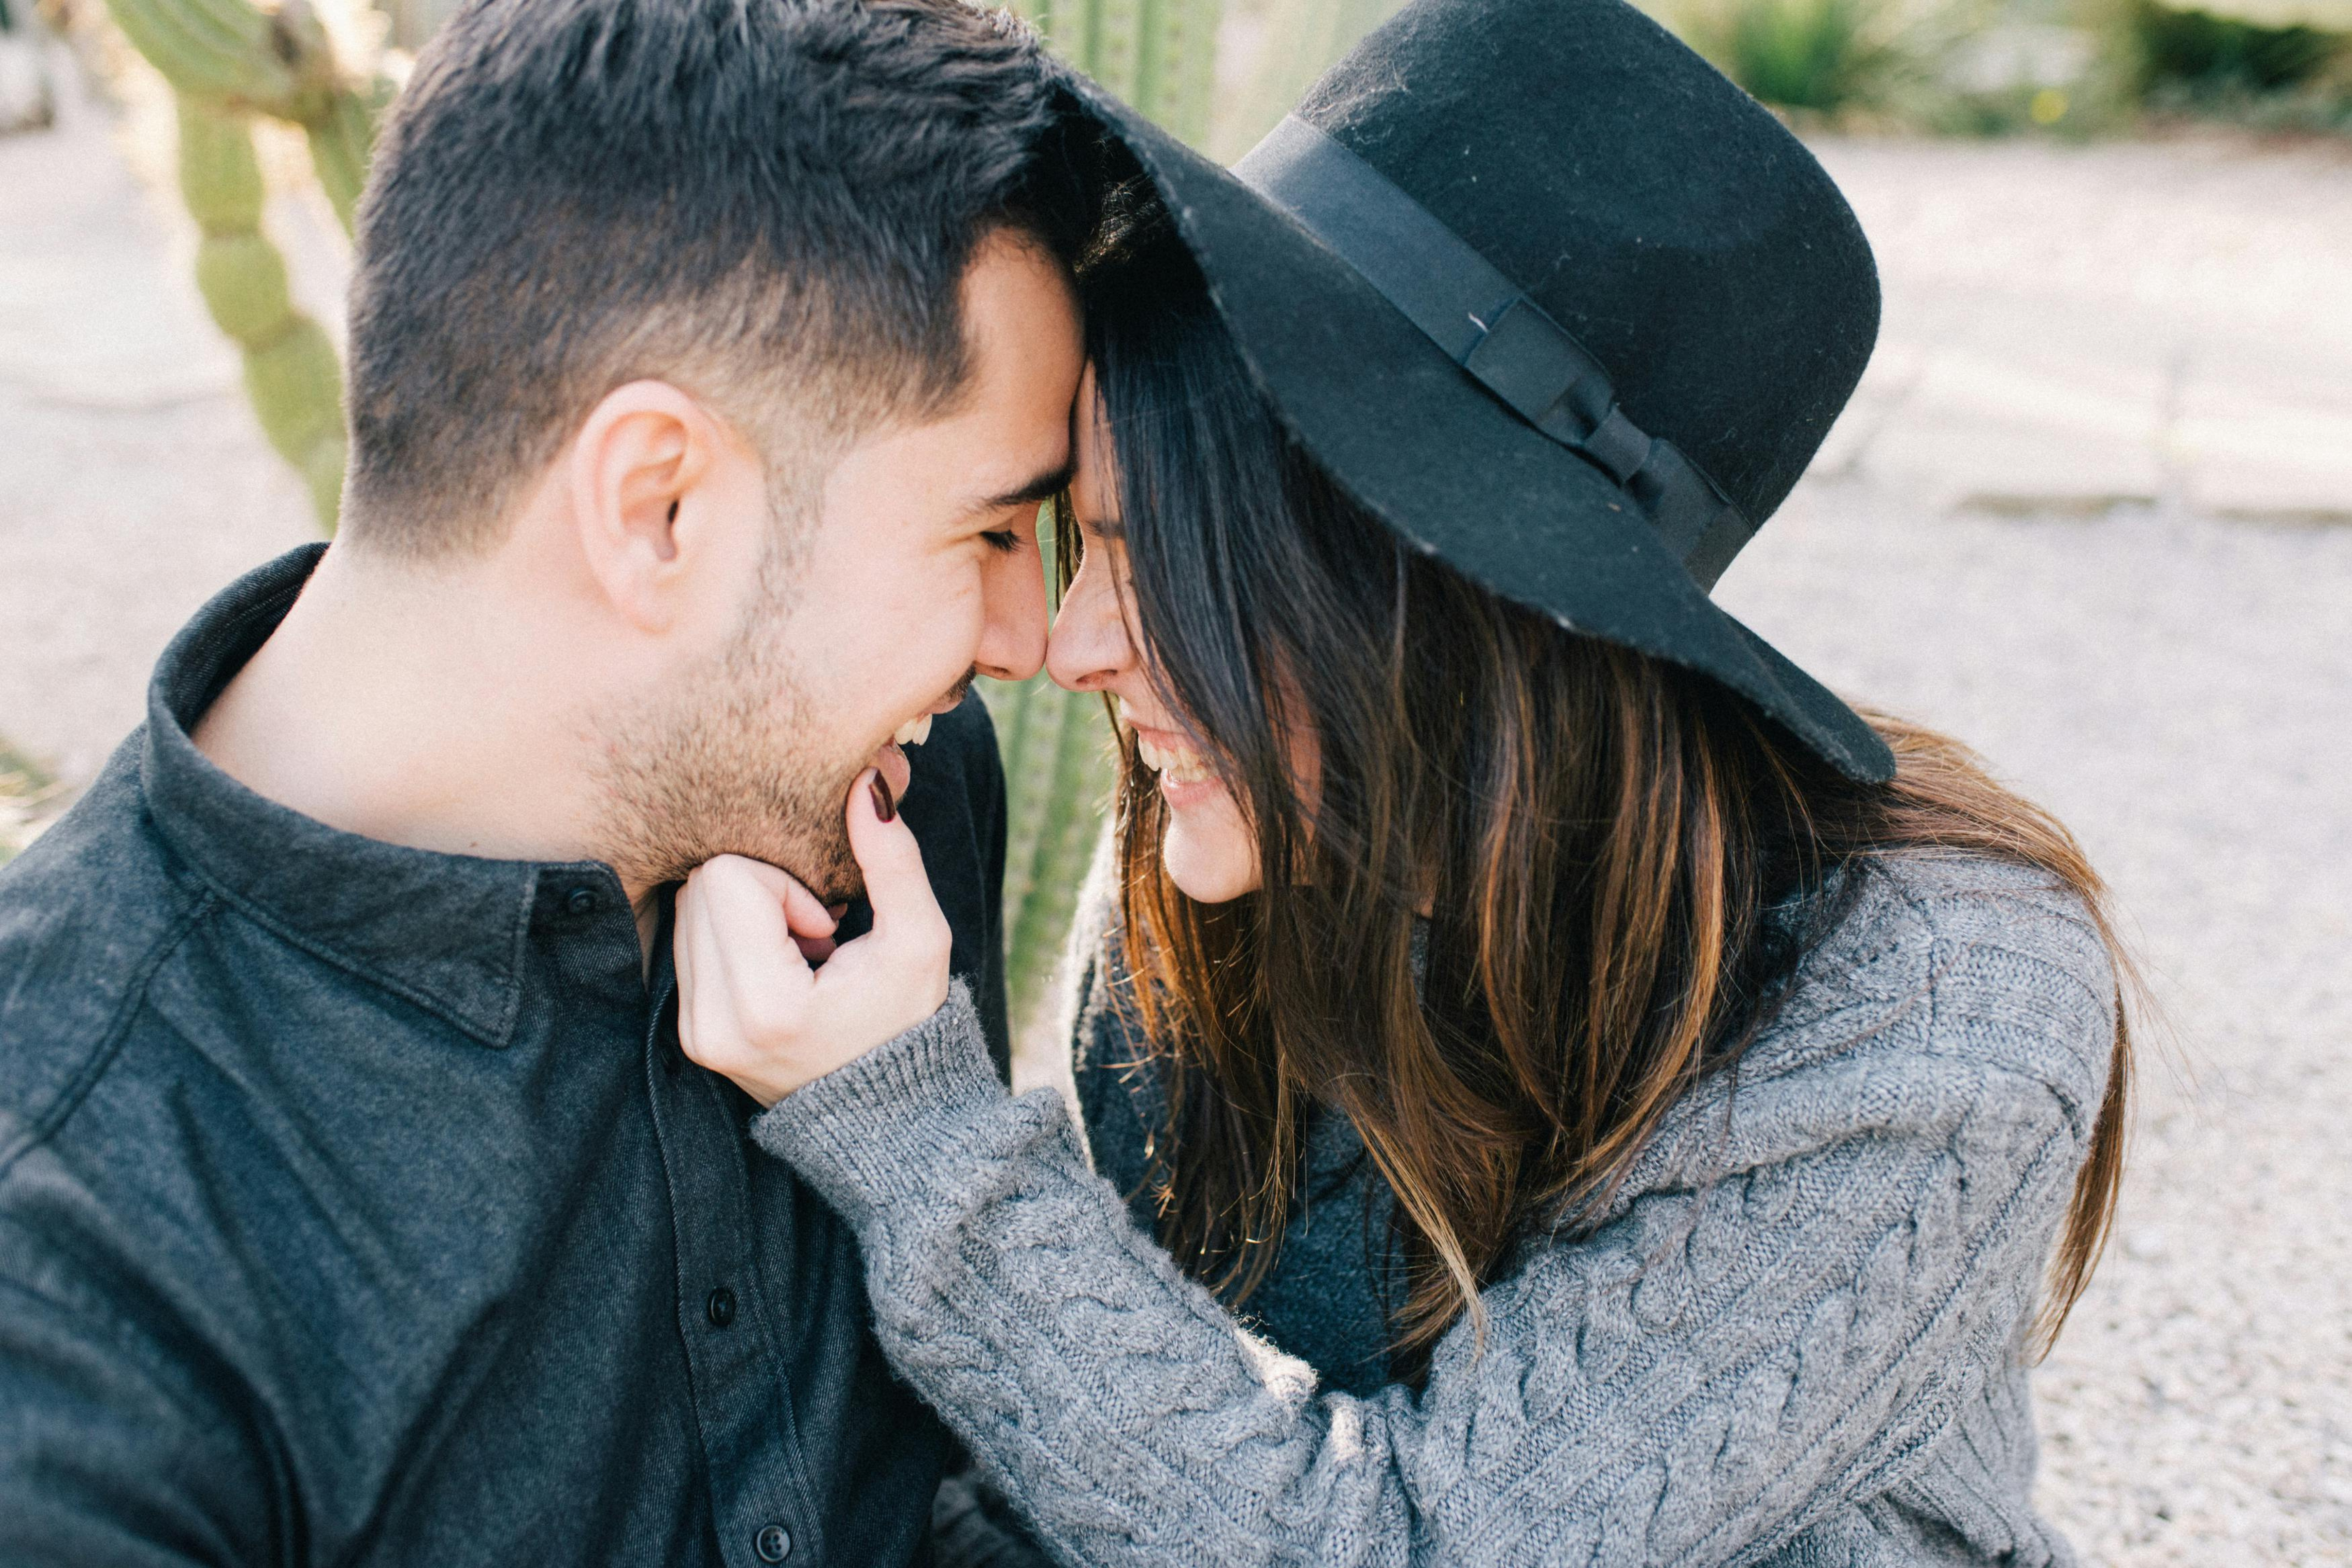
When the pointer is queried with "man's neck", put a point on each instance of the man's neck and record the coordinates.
(399, 703)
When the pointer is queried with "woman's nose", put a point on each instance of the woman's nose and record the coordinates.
(1088, 648)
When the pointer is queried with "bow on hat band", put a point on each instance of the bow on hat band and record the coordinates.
(1489, 327)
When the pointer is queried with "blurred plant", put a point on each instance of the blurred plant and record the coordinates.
(290, 370)
(2031, 66)
(1159, 55)
(228, 61)
(1818, 55)
(1953, 67)
(26, 793)
(2267, 65)
(1846, 62)
(1057, 775)
(2233, 46)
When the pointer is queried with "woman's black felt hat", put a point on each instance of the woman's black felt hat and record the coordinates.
(1557, 302)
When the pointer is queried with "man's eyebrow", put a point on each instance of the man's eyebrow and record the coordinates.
(1035, 492)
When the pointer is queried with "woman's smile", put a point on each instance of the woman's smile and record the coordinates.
(1185, 776)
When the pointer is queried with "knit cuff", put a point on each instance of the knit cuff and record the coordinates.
(879, 1131)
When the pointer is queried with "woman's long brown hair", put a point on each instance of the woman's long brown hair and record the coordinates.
(1621, 863)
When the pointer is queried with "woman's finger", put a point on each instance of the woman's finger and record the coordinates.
(896, 884)
(681, 960)
(685, 943)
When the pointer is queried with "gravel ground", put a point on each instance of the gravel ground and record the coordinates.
(2067, 327)
(2176, 689)
(2098, 365)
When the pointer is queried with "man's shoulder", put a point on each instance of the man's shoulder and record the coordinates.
(85, 913)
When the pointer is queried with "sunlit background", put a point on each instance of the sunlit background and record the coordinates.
(2092, 510)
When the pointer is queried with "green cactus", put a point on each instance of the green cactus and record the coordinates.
(234, 56)
(1160, 55)
(27, 793)
(1057, 776)
(290, 370)
(227, 61)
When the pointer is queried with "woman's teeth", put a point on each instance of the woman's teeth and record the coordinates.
(914, 732)
(1179, 765)
(1174, 764)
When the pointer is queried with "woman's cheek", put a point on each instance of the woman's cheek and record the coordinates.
(1208, 851)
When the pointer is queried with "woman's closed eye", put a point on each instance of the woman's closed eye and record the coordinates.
(1003, 541)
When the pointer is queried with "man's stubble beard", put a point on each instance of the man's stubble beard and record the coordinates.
(727, 763)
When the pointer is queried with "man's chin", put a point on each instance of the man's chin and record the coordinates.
(827, 870)
(818, 859)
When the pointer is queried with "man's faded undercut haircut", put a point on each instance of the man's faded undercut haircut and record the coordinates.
(770, 203)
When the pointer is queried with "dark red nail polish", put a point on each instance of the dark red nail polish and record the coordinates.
(885, 806)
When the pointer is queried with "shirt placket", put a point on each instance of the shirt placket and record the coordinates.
(761, 1501)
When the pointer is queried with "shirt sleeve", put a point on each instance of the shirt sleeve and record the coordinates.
(110, 1453)
(1734, 1355)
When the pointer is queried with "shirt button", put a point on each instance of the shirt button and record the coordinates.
(773, 1543)
(721, 1310)
(582, 901)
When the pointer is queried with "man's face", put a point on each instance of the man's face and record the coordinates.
(920, 569)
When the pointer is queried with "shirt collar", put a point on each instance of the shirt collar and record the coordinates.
(448, 933)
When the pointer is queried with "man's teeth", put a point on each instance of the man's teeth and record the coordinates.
(1177, 765)
(914, 732)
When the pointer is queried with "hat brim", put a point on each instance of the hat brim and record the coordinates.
(1446, 466)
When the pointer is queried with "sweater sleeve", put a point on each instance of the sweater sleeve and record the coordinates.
(1810, 1278)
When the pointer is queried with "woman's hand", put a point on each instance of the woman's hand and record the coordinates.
(750, 1005)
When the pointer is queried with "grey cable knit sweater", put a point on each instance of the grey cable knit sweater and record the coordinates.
(1797, 1337)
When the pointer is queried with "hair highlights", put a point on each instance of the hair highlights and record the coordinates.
(1622, 865)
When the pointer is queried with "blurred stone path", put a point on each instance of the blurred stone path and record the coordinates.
(2088, 512)
(133, 483)
(2070, 328)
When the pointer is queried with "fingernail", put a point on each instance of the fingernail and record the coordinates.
(885, 808)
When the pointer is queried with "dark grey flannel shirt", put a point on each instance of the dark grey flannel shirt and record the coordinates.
(357, 1208)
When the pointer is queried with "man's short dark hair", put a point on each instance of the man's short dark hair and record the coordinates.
(764, 201)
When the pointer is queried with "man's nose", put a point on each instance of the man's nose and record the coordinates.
(1090, 647)
(1013, 635)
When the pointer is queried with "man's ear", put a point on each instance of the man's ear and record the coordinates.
(645, 467)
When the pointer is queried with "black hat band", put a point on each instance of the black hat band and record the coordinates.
(1489, 327)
